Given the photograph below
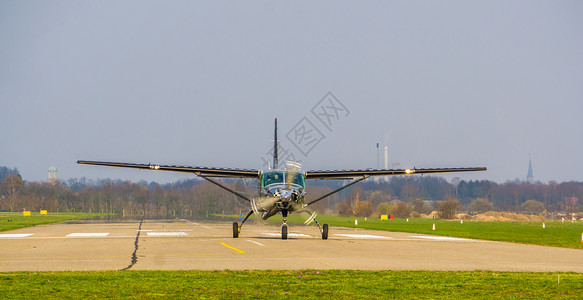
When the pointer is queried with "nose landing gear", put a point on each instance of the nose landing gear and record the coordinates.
(284, 226)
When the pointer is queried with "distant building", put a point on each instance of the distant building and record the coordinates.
(529, 175)
(52, 175)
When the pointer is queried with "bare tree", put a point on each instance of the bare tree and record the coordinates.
(448, 208)
(533, 207)
(481, 205)
(11, 186)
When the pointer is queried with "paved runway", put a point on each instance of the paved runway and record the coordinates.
(185, 245)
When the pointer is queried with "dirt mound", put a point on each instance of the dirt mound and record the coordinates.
(491, 216)
(508, 217)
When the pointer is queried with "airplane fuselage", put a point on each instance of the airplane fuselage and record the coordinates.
(280, 190)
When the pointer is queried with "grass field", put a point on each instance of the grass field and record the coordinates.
(290, 284)
(554, 234)
(13, 220)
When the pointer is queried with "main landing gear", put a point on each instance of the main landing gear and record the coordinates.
(284, 230)
(323, 229)
(237, 227)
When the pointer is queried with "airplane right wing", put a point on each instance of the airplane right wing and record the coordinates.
(204, 172)
(200, 171)
(349, 174)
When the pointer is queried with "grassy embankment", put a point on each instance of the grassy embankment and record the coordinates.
(555, 233)
(13, 220)
(294, 284)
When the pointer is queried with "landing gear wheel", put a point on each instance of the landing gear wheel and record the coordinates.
(284, 232)
(325, 231)
(235, 230)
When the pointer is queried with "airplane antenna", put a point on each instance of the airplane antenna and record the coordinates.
(275, 147)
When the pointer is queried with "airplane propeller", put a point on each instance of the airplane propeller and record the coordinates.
(311, 218)
(261, 204)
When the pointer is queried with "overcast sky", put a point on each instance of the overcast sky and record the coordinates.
(441, 83)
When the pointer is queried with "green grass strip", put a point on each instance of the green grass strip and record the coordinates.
(285, 284)
(12, 220)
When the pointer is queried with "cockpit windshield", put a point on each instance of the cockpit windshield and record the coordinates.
(282, 177)
(295, 178)
(272, 177)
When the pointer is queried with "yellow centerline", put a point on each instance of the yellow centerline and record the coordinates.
(231, 247)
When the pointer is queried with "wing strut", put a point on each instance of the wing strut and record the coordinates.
(224, 187)
(339, 189)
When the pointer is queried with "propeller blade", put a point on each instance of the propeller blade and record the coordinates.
(261, 204)
(311, 218)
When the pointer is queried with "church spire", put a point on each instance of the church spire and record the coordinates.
(529, 175)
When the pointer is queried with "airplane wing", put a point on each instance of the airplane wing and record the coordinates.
(349, 174)
(200, 171)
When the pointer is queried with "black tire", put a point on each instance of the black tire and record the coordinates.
(325, 231)
(235, 230)
(284, 232)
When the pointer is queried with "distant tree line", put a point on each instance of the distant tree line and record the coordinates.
(5, 171)
(402, 196)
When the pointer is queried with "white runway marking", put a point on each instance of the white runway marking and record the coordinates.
(289, 234)
(365, 236)
(14, 235)
(442, 238)
(254, 242)
(166, 233)
(89, 234)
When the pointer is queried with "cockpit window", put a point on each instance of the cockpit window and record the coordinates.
(295, 178)
(279, 177)
(272, 177)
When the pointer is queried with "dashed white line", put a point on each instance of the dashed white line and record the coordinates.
(88, 234)
(365, 236)
(254, 242)
(289, 234)
(166, 233)
(441, 238)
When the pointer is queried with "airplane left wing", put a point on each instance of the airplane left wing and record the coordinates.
(349, 174)
(200, 171)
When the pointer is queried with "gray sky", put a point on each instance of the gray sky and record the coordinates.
(444, 83)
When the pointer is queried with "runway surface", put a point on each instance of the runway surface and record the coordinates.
(185, 245)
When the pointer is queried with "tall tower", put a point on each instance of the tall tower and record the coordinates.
(386, 161)
(529, 175)
(52, 175)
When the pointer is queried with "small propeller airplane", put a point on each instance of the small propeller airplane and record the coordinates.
(280, 190)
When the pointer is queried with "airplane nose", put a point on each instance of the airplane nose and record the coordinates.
(286, 193)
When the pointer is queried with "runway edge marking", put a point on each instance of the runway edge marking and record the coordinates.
(14, 235)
